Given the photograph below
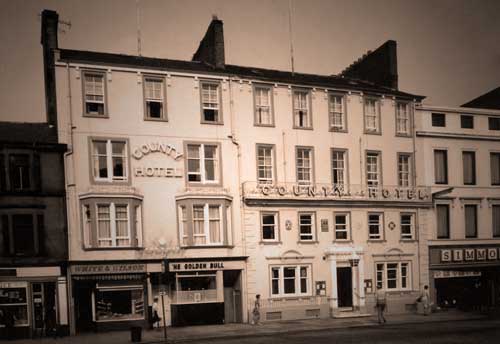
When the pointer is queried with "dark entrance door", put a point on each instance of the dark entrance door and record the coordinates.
(83, 306)
(344, 286)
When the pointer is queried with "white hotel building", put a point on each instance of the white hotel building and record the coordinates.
(210, 183)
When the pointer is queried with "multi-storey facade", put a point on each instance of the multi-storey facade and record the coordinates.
(207, 184)
(461, 151)
(33, 241)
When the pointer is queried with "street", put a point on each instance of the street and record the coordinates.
(475, 331)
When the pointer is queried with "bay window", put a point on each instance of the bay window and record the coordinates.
(290, 280)
(110, 223)
(393, 275)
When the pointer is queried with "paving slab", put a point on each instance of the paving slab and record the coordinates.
(206, 332)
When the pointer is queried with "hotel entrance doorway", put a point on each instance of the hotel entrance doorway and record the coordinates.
(344, 286)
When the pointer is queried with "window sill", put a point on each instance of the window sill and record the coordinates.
(376, 240)
(111, 248)
(337, 130)
(303, 128)
(203, 185)
(269, 242)
(206, 246)
(152, 119)
(342, 241)
(211, 123)
(403, 135)
(264, 125)
(95, 116)
(367, 132)
(408, 240)
(308, 242)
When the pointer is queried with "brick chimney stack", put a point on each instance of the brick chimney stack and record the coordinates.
(379, 66)
(211, 48)
(50, 21)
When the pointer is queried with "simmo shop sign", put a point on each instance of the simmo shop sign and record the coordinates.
(157, 171)
(461, 255)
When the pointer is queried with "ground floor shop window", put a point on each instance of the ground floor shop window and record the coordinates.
(196, 287)
(116, 303)
(393, 275)
(290, 280)
(13, 303)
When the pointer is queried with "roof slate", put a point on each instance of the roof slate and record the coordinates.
(268, 75)
(490, 100)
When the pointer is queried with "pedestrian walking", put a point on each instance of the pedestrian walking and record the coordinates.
(381, 300)
(256, 311)
(425, 298)
(155, 316)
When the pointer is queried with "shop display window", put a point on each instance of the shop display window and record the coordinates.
(119, 303)
(13, 302)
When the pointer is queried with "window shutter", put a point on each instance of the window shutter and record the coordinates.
(2, 174)
(37, 178)
(4, 236)
(41, 235)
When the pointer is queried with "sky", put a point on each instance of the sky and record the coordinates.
(448, 50)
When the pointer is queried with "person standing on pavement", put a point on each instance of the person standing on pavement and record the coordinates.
(425, 298)
(256, 311)
(381, 300)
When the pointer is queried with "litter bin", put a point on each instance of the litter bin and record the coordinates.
(135, 334)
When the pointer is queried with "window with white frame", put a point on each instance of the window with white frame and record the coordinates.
(154, 97)
(301, 111)
(263, 105)
(393, 275)
(402, 118)
(372, 115)
(113, 225)
(373, 170)
(111, 222)
(203, 163)
(290, 280)
(210, 102)
(404, 170)
(269, 226)
(339, 167)
(94, 93)
(109, 160)
(407, 225)
(304, 165)
(341, 226)
(203, 222)
(265, 164)
(375, 226)
(307, 227)
(336, 111)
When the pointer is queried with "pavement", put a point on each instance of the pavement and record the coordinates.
(229, 331)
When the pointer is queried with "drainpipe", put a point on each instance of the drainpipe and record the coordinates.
(69, 175)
